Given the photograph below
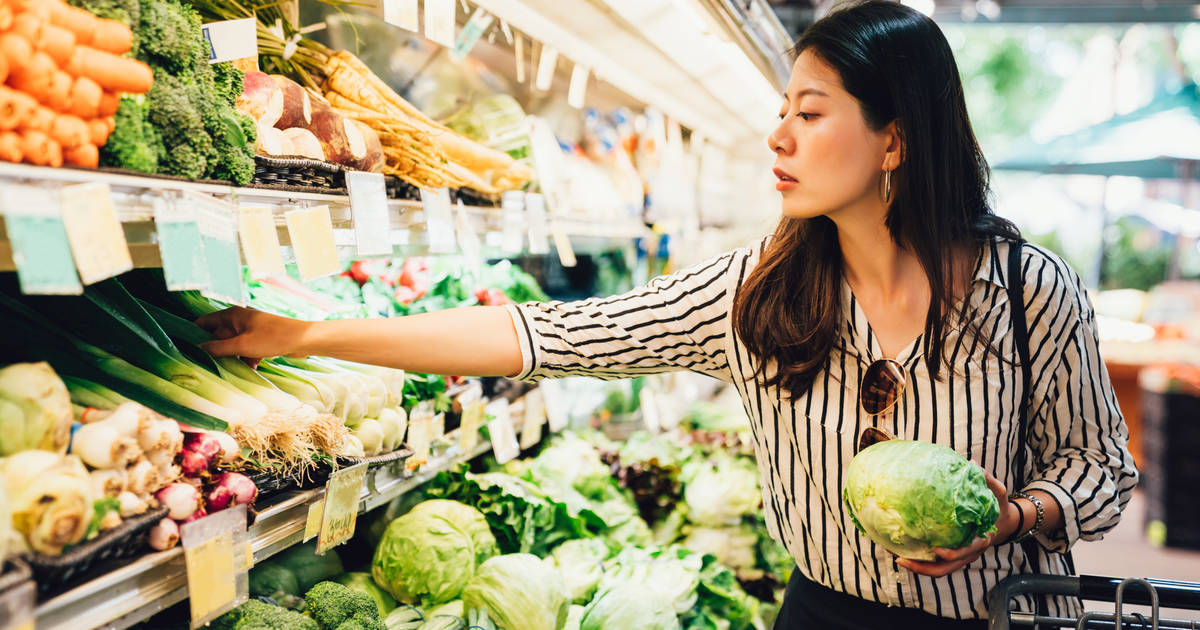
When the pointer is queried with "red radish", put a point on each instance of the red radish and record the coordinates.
(305, 143)
(164, 535)
(372, 158)
(261, 99)
(243, 490)
(230, 451)
(193, 463)
(297, 105)
(218, 498)
(199, 514)
(182, 500)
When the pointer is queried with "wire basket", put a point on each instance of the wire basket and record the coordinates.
(127, 540)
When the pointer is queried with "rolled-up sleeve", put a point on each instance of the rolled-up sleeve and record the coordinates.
(676, 322)
(1079, 435)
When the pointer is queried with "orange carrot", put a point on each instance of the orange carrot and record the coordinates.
(112, 36)
(42, 119)
(28, 26)
(78, 21)
(98, 131)
(109, 103)
(40, 149)
(58, 42)
(58, 97)
(114, 73)
(17, 50)
(26, 106)
(69, 131)
(35, 77)
(6, 17)
(3, 69)
(85, 98)
(10, 147)
(10, 110)
(85, 155)
(41, 9)
(110, 122)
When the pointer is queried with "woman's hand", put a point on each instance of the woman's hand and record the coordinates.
(955, 559)
(252, 334)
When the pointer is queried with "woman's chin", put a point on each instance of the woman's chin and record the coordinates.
(795, 210)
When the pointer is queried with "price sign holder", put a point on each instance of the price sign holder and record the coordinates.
(213, 551)
(40, 248)
(535, 417)
(260, 241)
(17, 605)
(343, 492)
(311, 233)
(369, 207)
(439, 224)
(218, 233)
(180, 245)
(557, 409)
(96, 236)
(500, 430)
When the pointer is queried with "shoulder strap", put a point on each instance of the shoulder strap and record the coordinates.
(1016, 300)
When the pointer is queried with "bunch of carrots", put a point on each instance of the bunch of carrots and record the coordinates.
(63, 75)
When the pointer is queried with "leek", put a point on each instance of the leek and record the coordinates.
(85, 394)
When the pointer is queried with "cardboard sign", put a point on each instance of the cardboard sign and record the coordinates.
(94, 231)
(312, 523)
(420, 427)
(577, 92)
(342, 494)
(231, 39)
(545, 70)
(562, 244)
(40, 248)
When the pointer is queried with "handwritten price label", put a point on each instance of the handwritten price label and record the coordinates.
(342, 494)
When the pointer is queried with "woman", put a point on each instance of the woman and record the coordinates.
(886, 249)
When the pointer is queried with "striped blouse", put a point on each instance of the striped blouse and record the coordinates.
(804, 444)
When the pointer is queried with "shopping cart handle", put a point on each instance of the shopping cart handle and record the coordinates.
(1171, 593)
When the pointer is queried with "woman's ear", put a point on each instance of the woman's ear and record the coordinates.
(894, 155)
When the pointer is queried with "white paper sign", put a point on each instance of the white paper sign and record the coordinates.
(577, 93)
(260, 241)
(402, 13)
(519, 51)
(650, 411)
(535, 417)
(439, 21)
(96, 236)
(468, 239)
(562, 243)
(513, 237)
(368, 205)
(557, 411)
(539, 230)
(545, 69)
(231, 39)
(501, 432)
(439, 222)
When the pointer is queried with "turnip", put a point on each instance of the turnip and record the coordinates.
(305, 143)
(261, 98)
(297, 104)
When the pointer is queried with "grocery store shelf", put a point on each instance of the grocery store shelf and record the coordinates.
(152, 583)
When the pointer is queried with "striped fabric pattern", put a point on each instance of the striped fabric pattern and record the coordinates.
(804, 444)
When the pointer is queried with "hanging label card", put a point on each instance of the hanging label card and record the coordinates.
(96, 236)
(342, 494)
(214, 549)
(468, 239)
(369, 206)
(439, 221)
(472, 419)
(650, 411)
(562, 244)
(557, 410)
(311, 233)
(437, 427)
(402, 13)
(231, 39)
(17, 606)
(40, 248)
(577, 92)
(439, 21)
(312, 524)
(179, 245)
(420, 424)
(535, 417)
(218, 232)
(545, 69)
(535, 214)
(501, 432)
(476, 26)
(260, 241)
(513, 207)
(519, 52)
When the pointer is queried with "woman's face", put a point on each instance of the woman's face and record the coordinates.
(827, 158)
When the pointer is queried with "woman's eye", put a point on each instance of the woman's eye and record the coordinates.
(806, 117)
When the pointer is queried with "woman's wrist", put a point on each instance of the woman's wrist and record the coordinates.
(307, 337)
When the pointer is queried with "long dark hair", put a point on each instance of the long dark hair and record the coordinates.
(897, 64)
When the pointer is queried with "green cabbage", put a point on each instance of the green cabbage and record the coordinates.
(581, 563)
(722, 491)
(674, 572)
(429, 554)
(519, 592)
(910, 497)
(627, 606)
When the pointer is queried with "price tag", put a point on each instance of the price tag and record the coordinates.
(650, 410)
(557, 409)
(260, 241)
(512, 204)
(342, 494)
(311, 233)
(402, 13)
(468, 431)
(468, 239)
(218, 232)
(562, 244)
(439, 21)
(213, 553)
(16, 606)
(419, 428)
(501, 432)
(519, 52)
(535, 213)
(437, 427)
(476, 26)
(40, 249)
(312, 524)
(180, 246)
(439, 224)
(545, 70)
(535, 417)
(231, 39)
(368, 205)
(97, 239)
(577, 93)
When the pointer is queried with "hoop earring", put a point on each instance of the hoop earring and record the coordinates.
(887, 187)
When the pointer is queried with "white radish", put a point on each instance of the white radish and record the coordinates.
(108, 482)
(164, 535)
(370, 432)
(161, 435)
(132, 504)
(143, 478)
(100, 445)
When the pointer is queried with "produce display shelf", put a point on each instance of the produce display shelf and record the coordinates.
(152, 583)
(134, 198)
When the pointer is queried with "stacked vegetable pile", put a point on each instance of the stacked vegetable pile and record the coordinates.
(63, 74)
(186, 125)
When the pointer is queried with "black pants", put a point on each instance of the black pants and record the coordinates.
(811, 606)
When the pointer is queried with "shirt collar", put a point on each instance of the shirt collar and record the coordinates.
(992, 267)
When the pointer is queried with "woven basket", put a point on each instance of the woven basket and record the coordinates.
(299, 174)
(131, 538)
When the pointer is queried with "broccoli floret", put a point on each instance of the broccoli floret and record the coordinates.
(256, 615)
(170, 37)
(333, 605)
(134, 143)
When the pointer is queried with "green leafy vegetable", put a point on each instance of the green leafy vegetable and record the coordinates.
(519, 592)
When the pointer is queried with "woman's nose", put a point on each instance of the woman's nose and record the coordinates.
(778, 142)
